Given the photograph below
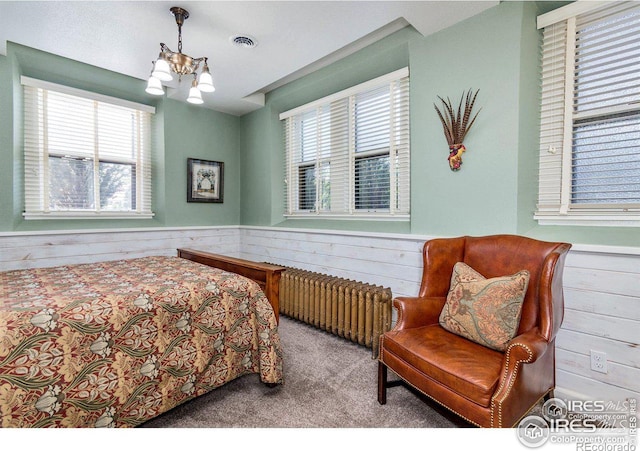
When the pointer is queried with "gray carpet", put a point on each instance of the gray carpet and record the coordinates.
(329, 383)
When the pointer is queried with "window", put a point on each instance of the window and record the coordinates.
(590, 115)
(86, 155)
(347, 155)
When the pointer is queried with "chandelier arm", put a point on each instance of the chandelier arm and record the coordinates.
(196, 63)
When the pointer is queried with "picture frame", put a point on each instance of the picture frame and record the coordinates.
(205, 181)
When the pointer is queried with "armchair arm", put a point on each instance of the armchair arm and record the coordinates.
(417, 312)
(519, 347)
(527, 348)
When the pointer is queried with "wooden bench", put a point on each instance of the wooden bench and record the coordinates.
(265, 274)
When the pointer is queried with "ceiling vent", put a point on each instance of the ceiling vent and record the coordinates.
(243, 41)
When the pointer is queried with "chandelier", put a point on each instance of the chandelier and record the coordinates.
(180, 64)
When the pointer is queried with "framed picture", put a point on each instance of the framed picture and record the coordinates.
(205, 180)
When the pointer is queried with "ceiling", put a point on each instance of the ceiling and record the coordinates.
(294, 37)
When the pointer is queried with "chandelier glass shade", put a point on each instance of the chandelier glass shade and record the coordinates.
(194, 94)
(154, 86)
(170, 62)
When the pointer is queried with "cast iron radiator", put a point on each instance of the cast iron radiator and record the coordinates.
(356, 311)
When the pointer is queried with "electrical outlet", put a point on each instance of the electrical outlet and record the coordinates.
(599, 361)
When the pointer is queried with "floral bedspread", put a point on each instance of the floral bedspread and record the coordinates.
(117, 343)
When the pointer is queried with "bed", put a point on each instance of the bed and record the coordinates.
(113, 344)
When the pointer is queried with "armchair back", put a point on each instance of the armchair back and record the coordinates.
(502, 255)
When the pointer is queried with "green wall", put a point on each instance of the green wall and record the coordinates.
(481, 53)
(195, 132)
(496, 52)
(6, 150)
(262, 141)
(180, 131)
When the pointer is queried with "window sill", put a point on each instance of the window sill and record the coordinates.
(352, 217)
(87, 215)
(589, 219)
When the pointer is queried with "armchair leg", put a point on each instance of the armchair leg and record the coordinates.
(382, 383)
(548, 396)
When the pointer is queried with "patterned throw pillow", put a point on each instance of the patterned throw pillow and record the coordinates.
(486, 311)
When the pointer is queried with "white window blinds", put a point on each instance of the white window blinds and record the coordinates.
(85, 155)
(347, 155)
(590, 115)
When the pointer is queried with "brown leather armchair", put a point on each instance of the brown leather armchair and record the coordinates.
(484, 386)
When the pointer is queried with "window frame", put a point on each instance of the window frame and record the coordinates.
(344, 177)
(37, 155)
(559, 119)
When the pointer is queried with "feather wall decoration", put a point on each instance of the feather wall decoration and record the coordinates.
(456, 125)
